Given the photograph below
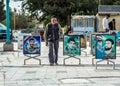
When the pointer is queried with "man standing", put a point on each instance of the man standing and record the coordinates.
(112, 25)
(105, 23)
(52, 33)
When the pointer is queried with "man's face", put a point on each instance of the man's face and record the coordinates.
(107, 16)
(83, 41)
(108, 45)
(71, 44)
(31, 42)
(53, 20)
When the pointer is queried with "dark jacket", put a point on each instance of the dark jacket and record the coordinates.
(52, 32)
(112, 25)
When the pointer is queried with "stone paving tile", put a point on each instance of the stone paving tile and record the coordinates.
(18, 74)
(1, 79)
(1, 83)
(29, 83)
(86, 85)
(11, 84)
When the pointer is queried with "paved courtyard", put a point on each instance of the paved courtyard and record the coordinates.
(71, 74)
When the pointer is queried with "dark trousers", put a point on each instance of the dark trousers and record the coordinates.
(53, 51)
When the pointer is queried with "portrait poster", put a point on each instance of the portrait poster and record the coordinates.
(31, 44)
(105, 46)
(93, 43)
(83, 38)
(15, 34)
(20, 40)
(83, 41)
(71, 45)
(117, 36)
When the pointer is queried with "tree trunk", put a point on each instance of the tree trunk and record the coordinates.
(69, 20)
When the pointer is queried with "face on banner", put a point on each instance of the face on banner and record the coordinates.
(105, 46)
(31, 44)
(71, 45)
(83, 40)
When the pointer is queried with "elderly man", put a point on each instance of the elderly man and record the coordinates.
(52, 33)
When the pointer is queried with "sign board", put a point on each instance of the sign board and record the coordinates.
(31, 44)
(20, 40)
(83, 39)
(117, 37)
(15, 34)
(105, 46)
(71, 45)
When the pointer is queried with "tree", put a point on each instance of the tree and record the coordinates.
(117, 2)
(87, 7)
(110, 2)
(61, 8)
(22, 21)
(2, 11)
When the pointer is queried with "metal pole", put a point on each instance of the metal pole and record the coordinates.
(7, 22)
(14, 18)
(99, 1)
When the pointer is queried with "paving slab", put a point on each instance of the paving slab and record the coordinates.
(71, 74)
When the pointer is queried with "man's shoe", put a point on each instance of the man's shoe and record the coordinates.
(51, 64)
(56, 63)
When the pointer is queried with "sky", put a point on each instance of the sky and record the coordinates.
(13, 5)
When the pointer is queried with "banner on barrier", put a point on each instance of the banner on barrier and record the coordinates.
(71, 45)
(105, 46)
(20, 40)
(117, 36)
(31, 44)
(83, 38)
